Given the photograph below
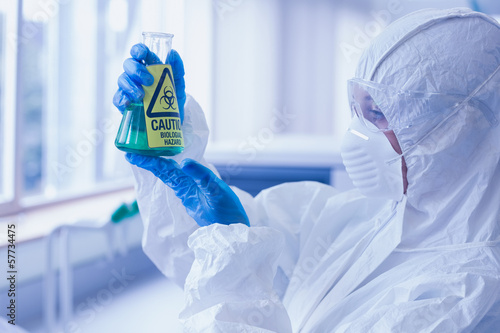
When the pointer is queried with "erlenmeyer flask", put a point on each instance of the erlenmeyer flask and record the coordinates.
(153, 126)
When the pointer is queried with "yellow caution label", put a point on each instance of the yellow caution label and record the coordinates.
(161, 111)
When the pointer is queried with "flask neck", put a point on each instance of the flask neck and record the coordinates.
(158, 43)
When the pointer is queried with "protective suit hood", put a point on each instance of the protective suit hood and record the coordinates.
(450, 141)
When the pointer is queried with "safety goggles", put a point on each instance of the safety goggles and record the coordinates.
(382, 108)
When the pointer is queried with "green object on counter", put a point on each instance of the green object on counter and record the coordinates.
(124, 211)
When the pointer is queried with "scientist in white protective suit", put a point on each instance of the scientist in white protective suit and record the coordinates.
(416, 248)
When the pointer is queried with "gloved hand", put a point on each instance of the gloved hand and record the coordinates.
(206, 197)
(130, 82)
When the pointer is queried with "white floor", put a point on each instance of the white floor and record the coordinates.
(150, 306)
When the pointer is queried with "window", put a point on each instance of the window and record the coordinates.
(57, 121)
(2, 98)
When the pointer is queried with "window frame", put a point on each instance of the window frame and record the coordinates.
(9, 203)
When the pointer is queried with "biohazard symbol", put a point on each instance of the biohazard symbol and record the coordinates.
(167, 83)
(168, 97)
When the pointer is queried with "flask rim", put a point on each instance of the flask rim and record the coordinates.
(157, 34)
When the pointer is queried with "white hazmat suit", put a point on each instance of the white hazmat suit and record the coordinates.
(317, 260)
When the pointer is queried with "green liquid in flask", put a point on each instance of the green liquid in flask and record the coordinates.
(132, 135)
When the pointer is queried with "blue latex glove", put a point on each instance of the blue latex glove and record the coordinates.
(130, 82)
(206, 197)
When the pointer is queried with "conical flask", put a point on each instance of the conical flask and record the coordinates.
(153, 126)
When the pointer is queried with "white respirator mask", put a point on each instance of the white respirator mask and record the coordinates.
(371, 162)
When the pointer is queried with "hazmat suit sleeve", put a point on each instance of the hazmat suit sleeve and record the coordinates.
(230, 286)
(240, 274)
(167, 225)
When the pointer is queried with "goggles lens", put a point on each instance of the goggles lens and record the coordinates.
(368, 106)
